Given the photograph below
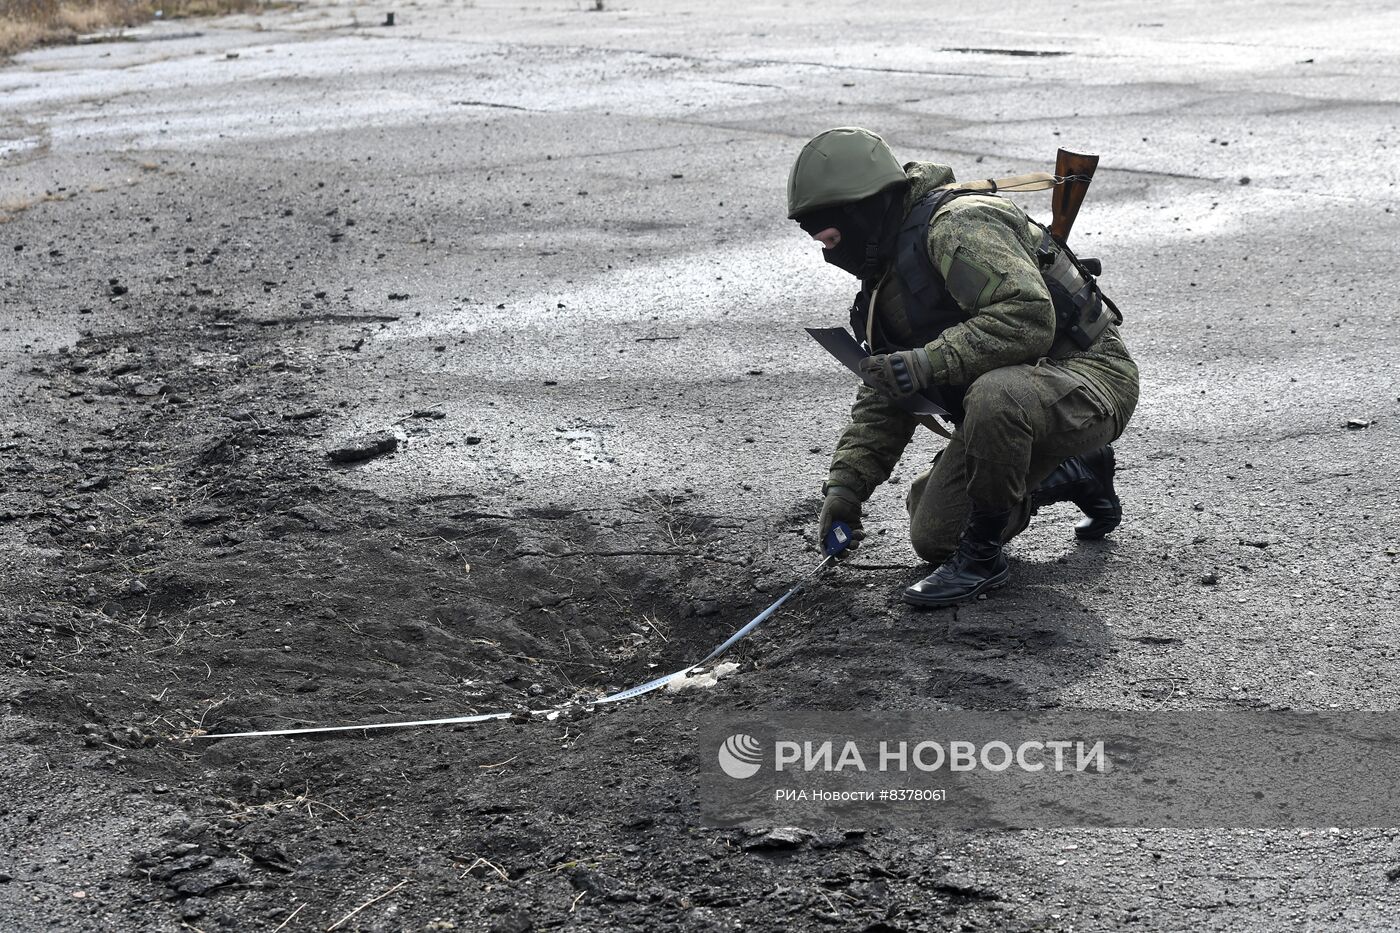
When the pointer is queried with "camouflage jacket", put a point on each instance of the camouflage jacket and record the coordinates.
(1014, 322)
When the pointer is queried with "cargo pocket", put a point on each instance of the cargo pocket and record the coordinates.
(1070, 404)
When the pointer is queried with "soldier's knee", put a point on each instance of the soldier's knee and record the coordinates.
(995, 392)
(997, 405)
(934, 542)
(916, 491)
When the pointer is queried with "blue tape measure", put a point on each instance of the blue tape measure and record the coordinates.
(837, 539)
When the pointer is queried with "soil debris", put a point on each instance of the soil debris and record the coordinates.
(365, 447)
(779, 837)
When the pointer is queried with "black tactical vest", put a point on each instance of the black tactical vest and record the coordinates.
(914, 305)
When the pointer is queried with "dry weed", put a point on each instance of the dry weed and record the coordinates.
(25, 24)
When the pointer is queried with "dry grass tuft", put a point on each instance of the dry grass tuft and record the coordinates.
(174, 9)
(25, 24)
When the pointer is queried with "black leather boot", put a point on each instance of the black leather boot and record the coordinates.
(976, 566)
(1087, 481)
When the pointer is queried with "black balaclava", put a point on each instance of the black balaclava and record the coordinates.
(868, 229)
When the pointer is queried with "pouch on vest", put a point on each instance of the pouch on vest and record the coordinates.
(1081, 310)
(1079, 304)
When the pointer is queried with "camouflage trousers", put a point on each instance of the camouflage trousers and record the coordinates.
(1020, 422)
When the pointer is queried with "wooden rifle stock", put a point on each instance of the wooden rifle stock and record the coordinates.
(1069, 195)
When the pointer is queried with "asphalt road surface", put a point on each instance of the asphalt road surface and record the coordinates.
(544, 246)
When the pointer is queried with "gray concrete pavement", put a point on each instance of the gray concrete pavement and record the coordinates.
(585, 210)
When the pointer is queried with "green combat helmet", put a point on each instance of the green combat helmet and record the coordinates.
(841, 166)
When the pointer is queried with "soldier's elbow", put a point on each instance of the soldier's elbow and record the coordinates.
(1040, 330)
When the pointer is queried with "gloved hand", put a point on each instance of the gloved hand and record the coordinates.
(841, 504)
(898, 374)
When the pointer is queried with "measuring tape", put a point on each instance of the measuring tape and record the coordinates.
(836, 541)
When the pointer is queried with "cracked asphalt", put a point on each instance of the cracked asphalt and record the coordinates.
(562, 230)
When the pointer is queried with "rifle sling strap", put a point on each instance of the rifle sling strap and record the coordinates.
(1033, 181)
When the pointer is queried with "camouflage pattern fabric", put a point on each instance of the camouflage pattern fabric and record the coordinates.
(1012, 327)
(1021, 422)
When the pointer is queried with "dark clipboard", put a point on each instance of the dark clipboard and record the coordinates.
(839, 343)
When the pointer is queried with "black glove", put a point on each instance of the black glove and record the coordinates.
(840, 505)
(898, 374)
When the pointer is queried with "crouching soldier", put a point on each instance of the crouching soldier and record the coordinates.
(967, 301)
